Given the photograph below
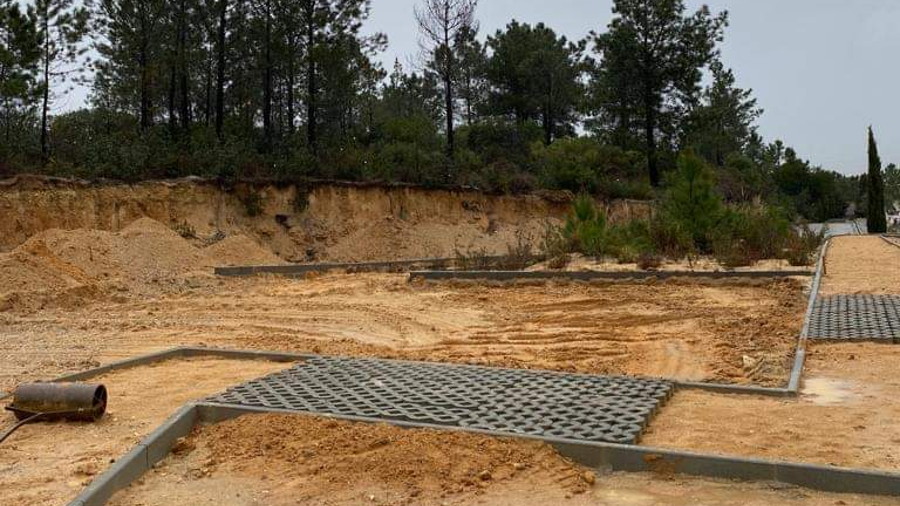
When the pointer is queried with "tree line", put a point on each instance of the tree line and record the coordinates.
(292, 89)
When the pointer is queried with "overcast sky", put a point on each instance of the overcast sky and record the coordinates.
(823, 70)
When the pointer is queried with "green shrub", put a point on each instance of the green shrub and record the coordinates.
(585, 227)
(749, 233)
(671, 239)
(801, 246)
(555, 247)
(584, 164)
(630, 241)
(691, 205)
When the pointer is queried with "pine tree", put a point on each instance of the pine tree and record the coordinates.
(440, 23)
(19, 56)
(662, 49)
(61, 28)
(877, 221)
(535, 75)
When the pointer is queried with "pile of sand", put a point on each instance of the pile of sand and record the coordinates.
(240, 250)
(305, 460)
(144, 258)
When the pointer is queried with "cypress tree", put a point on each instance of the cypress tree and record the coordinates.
(877, 222)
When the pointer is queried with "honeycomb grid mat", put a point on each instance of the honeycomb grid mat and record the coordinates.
(516, 402)
(856, 317)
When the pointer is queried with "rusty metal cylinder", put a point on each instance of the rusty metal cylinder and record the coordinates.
(59, 401)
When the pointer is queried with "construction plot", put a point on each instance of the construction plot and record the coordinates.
(506, 401)
(721, 331)
(846, 415)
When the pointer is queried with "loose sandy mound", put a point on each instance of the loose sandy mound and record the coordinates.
(861, 265)
(281, 460)
(848, 414)
(49, 463)
(289, 459)
(146, 257)
(240, 250)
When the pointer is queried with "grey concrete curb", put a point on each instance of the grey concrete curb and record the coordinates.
(172, 353)
(600, 456)
(301, 269)
(596, 275)
(889, 241)
(139, 460)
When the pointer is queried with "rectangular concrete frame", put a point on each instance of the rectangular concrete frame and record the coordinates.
(602, 457)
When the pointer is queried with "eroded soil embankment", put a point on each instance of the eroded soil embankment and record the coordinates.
(324, 222)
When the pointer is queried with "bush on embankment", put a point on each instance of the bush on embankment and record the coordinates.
(692, 220)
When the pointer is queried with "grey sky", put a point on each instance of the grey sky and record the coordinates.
(823, 70)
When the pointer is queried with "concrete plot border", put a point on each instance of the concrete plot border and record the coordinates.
(890, 240)
(175, 353)
(301, 269)
(600, 456)
(597, 275)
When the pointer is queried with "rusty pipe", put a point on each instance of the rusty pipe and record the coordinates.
(59, 401)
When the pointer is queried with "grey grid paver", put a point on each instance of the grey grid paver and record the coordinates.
(856, 317)
(537, 403)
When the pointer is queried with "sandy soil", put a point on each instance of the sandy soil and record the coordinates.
(49, 463)
(848, 414)
(280, 460)
(861, 265)
(685, 331)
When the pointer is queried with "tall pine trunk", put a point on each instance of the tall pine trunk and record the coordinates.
(290, 94)
(267, 82)
(650, 140)
(184, 84)
(45, 100)
(144, 64)
(220, 70)
(312, 86)
(448, 105)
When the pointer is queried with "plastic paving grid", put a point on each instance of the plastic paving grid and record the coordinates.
(536, 403)
(856, 317)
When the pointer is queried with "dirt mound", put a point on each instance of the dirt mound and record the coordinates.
(305, 460)
(146, 257)
(240, 250)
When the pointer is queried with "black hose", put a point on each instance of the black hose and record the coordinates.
(20, 424)
(32, 418)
